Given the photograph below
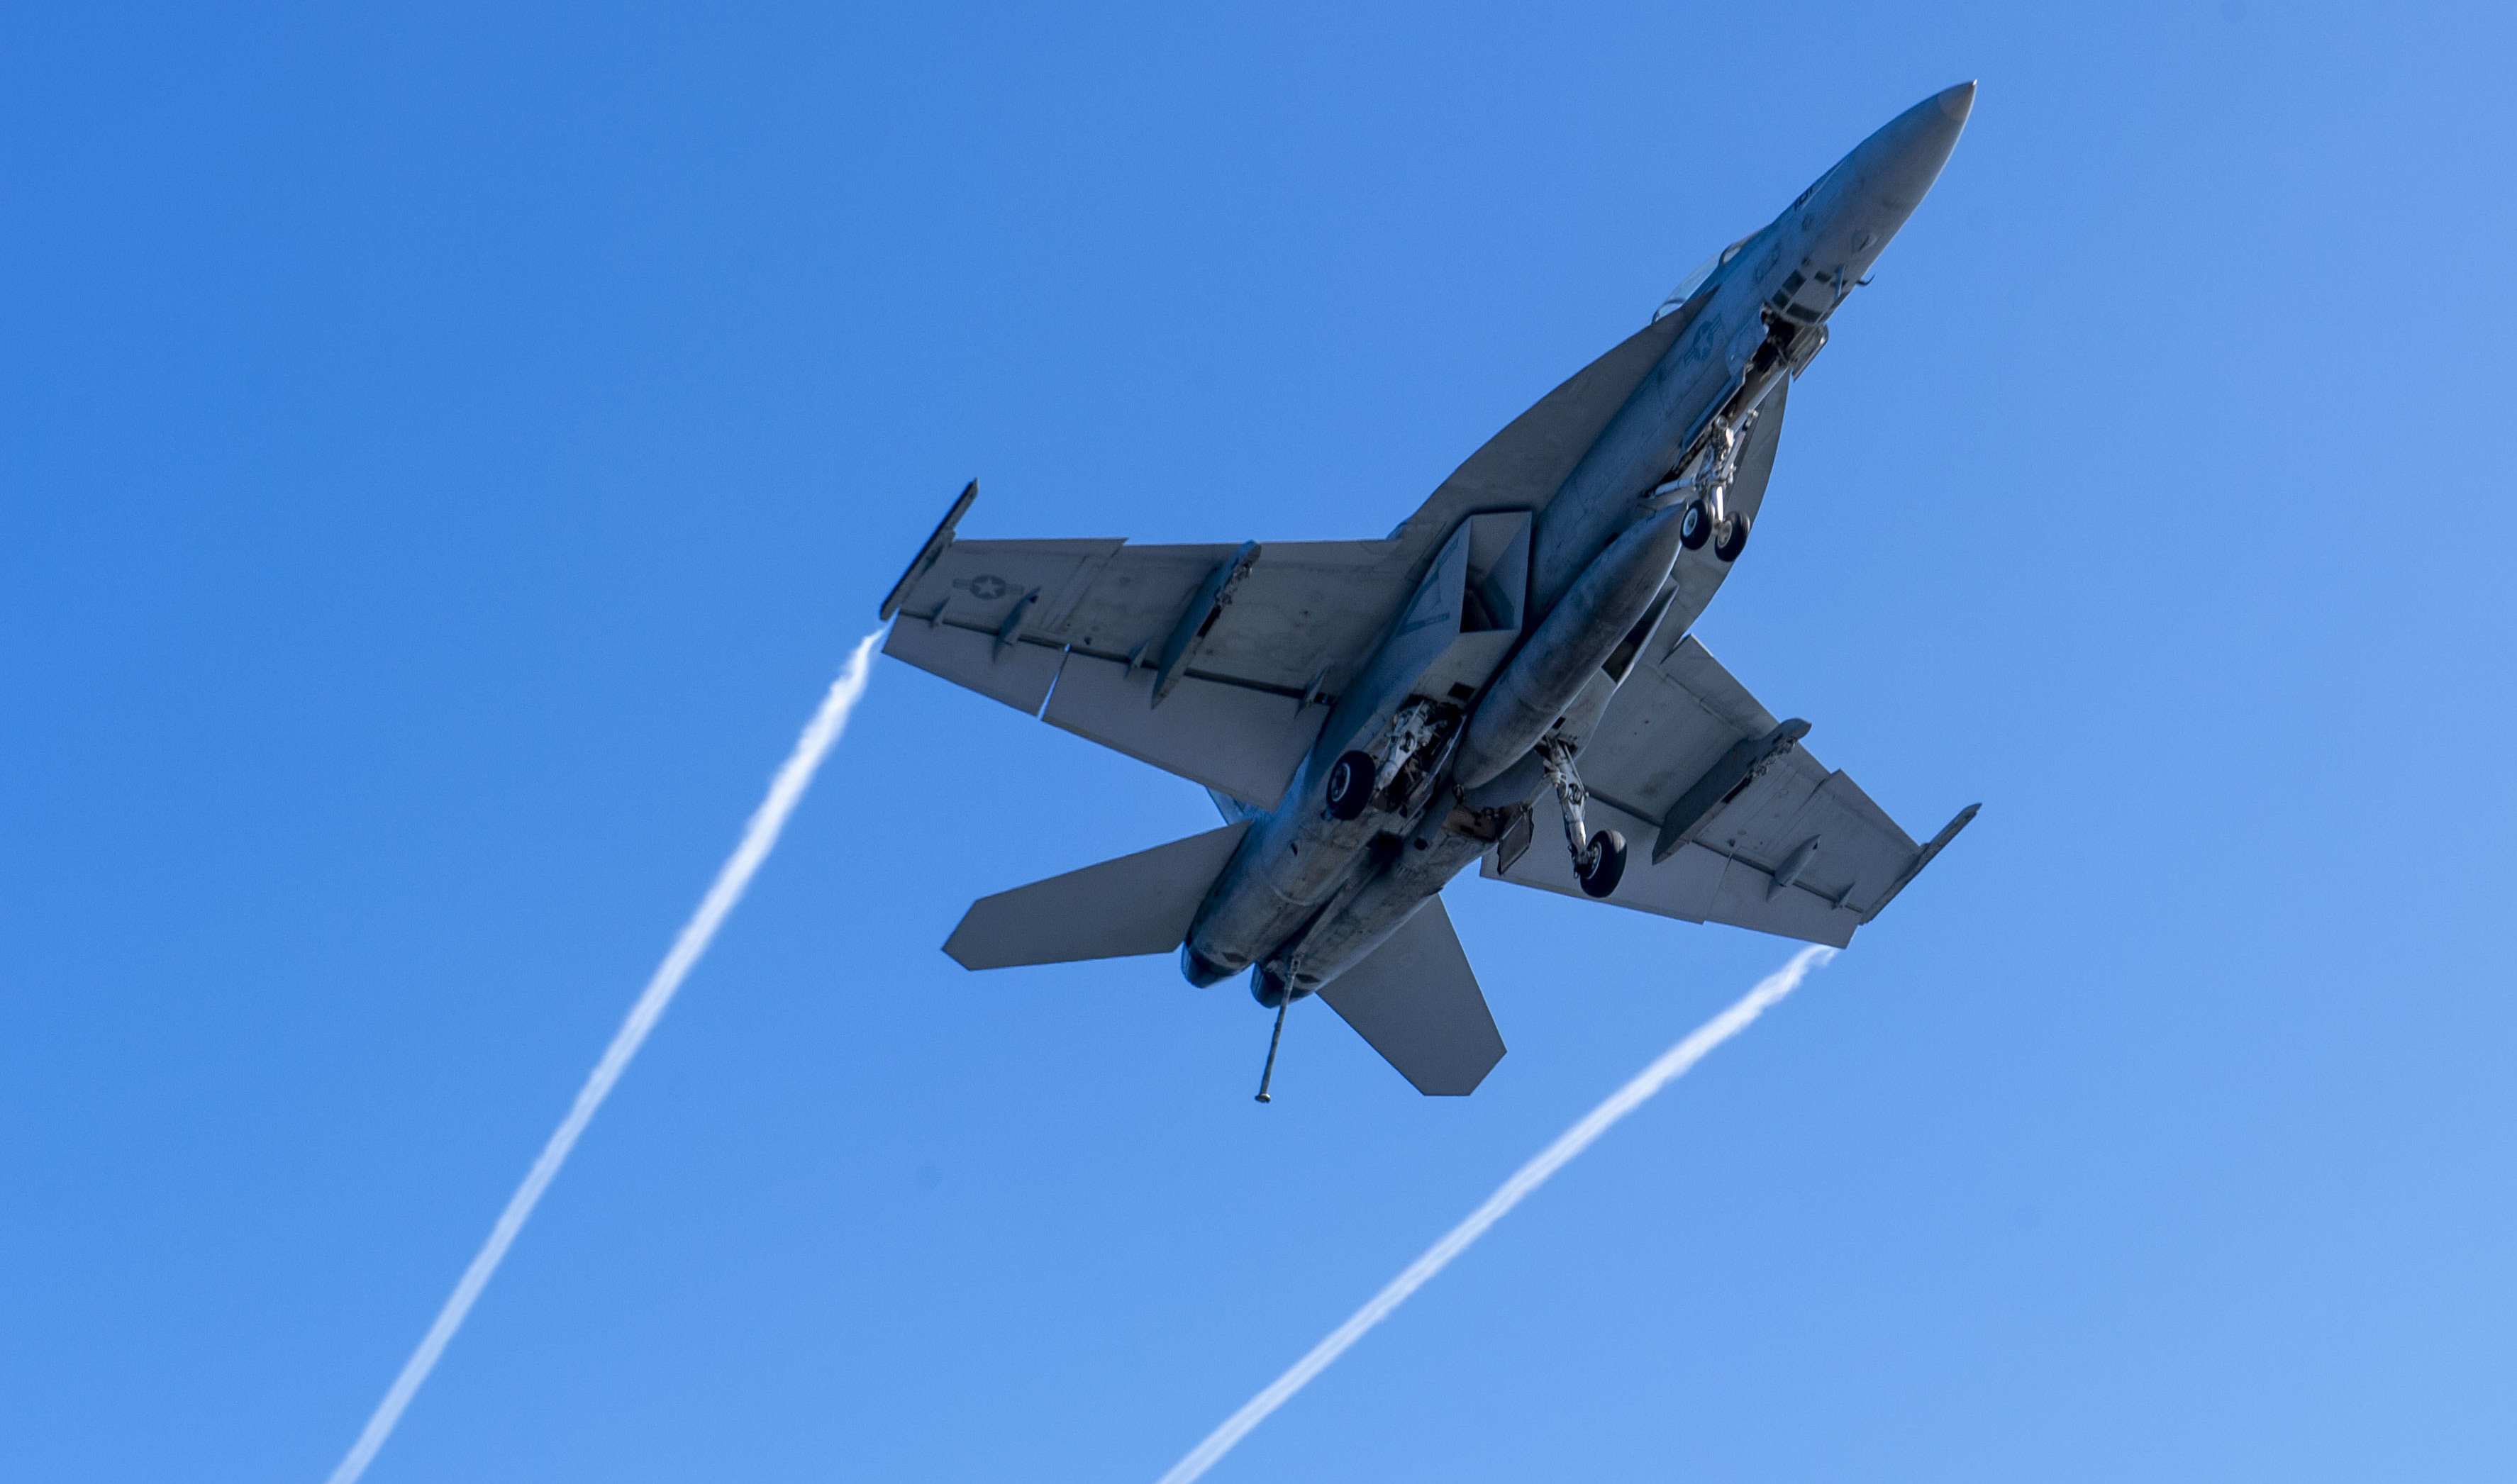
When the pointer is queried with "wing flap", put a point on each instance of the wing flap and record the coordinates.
(1025, 623)
(1666, 724)
(1137, 904)
(1794, 849)
(1245, 742)
(1696, 884)
(1017, 674)
(1417, 1002)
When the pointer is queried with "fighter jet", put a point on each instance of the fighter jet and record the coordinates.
(1516, 659)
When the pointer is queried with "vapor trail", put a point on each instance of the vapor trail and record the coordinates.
(758, 837)
(1672, 1065)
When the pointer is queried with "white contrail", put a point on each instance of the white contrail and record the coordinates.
(1672, 1065)
(758, 838)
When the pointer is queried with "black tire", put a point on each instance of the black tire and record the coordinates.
(1729, 546)
(1607, 865)
(1351, 785)
(1694, 526)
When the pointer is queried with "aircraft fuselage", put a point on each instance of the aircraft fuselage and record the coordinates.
(1525, 622)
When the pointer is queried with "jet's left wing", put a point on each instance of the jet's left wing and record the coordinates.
(1728, 817)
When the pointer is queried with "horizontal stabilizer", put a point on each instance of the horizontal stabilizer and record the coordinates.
(1138, 904)
(1417, 1002)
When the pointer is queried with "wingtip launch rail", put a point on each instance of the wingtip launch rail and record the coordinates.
(928, 554)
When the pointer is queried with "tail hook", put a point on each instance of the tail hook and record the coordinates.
(1269, 1073)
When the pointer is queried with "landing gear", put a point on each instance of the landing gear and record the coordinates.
(1708, 475)
(1733, 540)
(1608, 866)
(1419, 737)
(1350, 780)
(1599, 860)
(1694, 526)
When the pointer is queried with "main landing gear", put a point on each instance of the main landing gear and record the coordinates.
(1599, 858)
(1417, 739)
(1350, 786)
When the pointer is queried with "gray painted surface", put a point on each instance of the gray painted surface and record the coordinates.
(1138, 904)
(1017, 674)
(1275, 659)
(1417, 1002)
(1245, 742)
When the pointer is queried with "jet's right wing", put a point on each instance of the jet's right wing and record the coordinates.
(1289, 609)
(1208, 662)
(1728, 817)
(1214, 661)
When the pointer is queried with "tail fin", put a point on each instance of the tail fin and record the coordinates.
(1138, 904)
(1417, 1002)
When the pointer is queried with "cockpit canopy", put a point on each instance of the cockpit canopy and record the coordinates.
(1695, 281)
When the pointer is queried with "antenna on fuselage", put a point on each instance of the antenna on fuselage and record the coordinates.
(1267, 1073)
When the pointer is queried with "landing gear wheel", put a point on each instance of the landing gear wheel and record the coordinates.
(1736, 541)
(1607, 865)
(1693, 525)
(1351, 785)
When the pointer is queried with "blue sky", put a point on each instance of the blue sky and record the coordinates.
(445, 454)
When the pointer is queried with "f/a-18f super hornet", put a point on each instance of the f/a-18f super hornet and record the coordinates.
(1371, 716)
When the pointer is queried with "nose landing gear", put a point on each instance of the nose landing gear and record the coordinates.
(1694, 526)
(1708, 476)
(1733, 540)
(1599, 858)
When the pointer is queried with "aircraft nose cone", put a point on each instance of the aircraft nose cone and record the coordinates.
(1901, 161)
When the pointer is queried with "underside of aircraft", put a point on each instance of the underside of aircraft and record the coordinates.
(1514, 661)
